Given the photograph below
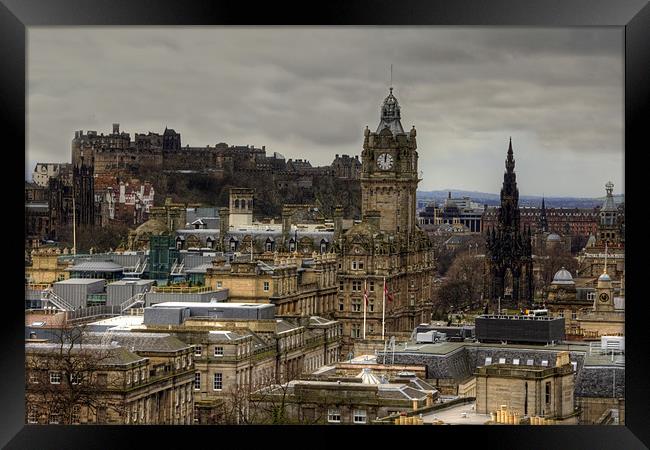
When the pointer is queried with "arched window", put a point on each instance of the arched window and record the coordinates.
(233, 244)
(250, 204)
(268, 245)
(237, 203)
(292, 245)
(209, 242)
(179, 243)
(323, 246)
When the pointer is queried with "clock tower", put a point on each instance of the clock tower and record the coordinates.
(604, 300)
(389, 171)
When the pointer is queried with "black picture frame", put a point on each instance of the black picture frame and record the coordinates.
(633, 15)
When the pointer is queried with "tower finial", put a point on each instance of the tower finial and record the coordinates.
(391, 78)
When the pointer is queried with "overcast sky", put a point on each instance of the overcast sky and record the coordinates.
(310, 92)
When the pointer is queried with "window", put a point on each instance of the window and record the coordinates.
(360, 265)
(32, 417)
(55, 378)
(178, 366)
(356, 330)
(218, 351)
(55, 417)
(574, 315)
(544, 363)
(33, 378)
(488, 361)
(198, 350)
(356, 285)
(529, 362)
(75, 378)
(548, 393)
(341, 305)
(574, 364)
(359, 416)
(266, 286)
(135, 376)
(354, 265)
(371, 305)
(502, 360)
(102, 379)
(76, 414)
(217, 382)
(371, 286)
(219, 284)
(128, 378)
(334, 416)
(143, 373)
(515, 361)
(356, 304)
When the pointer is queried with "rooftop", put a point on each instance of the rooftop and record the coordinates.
(120, 321)
(78, 281)
(464, 414)
(211, 304)
(96, 266)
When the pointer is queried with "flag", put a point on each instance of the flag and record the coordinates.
(365, 294)
(389, 296)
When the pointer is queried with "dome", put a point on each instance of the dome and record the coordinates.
(553, 238)
(604, 277)
(390, 115)
(151, 227)
(363, 228)
(563, 276)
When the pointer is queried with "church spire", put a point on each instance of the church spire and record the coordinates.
(543, 221)
(510, 160)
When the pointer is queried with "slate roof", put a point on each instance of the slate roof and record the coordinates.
(144, 342)
(107, 354)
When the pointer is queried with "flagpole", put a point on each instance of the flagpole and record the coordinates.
(383, 312)
(365, 306)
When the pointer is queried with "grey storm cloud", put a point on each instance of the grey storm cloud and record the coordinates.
(308, 92)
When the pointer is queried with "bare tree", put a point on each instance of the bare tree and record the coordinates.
(463, 286)
(68, 375)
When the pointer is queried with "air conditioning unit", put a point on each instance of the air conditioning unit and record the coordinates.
(612, 343)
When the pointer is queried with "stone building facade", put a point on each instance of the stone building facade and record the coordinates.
(563, 221)
(298, 286)
(233, 357)
(314, 402)
(528, 391)
(143, 379)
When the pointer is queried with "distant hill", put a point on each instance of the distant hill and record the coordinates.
(486, 198)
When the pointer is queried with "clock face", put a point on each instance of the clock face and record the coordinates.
(385, 161)
(603, 297)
